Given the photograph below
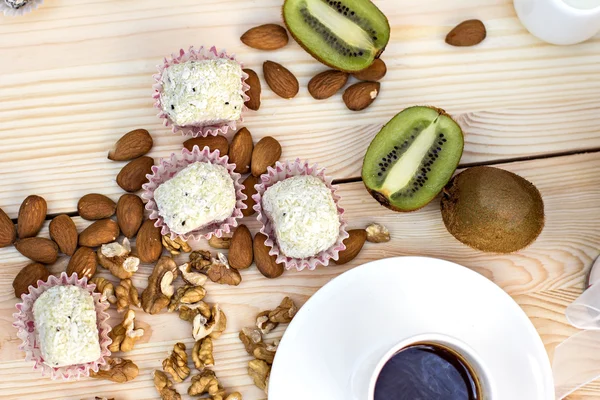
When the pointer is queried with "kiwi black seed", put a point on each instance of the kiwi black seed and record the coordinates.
(412, 158)
(492, 210)
(347, 35)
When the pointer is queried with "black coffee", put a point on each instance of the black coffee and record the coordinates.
(426, 371)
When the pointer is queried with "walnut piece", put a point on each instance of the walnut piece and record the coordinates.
(115, 257)
(125, 335)
(259, 371)
(253, 342)
(204, 383)
(202, 354)
(219, 242)
(213, 326)
(187, 294)
(105, 288)
(153, 297)
(175, 246)
(188, 312)
(264, 324)
(220, 272)
(200, 260)
(190, 277)
(165, 387)
(231, 396)
(377, 233)
(284, 312)
(117, 370)
(176, 364)
(127, 295)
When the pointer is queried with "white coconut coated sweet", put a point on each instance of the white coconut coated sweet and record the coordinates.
(65, 324)
(197, 195)
(202, 93)
(304, 215)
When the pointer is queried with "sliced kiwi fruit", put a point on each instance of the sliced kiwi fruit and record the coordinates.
(412, 158)
(347, 35)
(492, 210)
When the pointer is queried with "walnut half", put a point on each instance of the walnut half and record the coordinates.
(253, 342)
(175, 246)
(127, 295)
(154, 298)
(105, 288)
(202, 354)
(165, 387)
(124, 335)
(377, 233)
(117, 370)
(176, 364)
(204, 383)
(116, 258)
(213, 326)
(259, 371)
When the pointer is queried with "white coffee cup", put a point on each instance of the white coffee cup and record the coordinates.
(560, 21)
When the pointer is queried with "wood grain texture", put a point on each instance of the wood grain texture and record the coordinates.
(543, 279)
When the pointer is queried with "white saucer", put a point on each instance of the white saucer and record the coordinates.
(377, 305)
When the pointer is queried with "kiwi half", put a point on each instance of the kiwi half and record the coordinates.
(493, 210)
(346, 35)
(412, 158)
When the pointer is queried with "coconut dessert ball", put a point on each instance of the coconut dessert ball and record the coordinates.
(65, 324)
(198, 195)
(303, 214)
(202, 93)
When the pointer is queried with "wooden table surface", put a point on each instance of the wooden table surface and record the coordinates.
(75, 76)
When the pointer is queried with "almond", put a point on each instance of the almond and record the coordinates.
(132, 145)
(374, 72)
(255, 89)
(240, 151)
(265, 37)
(99, 233)
(64, 233)
(133, 175)
(83, 263)
(249, 191)
(149, 242)
(212, 142)
(29, 276)
(265, 154)
(354, 243)
(265, 263)
(281, 81)
(360, 95)
(241, 253)
(96, 206)
(467, 33)
(8, 232)
(32, 215)
(130, 214)
(327, 83)
(38, 249)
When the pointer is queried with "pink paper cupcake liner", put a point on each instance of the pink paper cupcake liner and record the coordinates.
(283, 171)
(24, 322)
(196, 55)
(167, 168)
(13, 12)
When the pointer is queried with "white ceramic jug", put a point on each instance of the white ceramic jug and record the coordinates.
(560, 21)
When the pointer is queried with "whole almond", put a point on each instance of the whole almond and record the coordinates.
(240, 151)
(265, 263)
(265, 154)
(265, 37)
(38, 249)
(130, 214)
(149, 242)
(241, 253)
(99, 233)
(133, 175)
(29, 276)
(467, 33)
(374, 72)
(96, 206)
(249, 191)
(354, 243)
(83, 263)
(281, 81)
(8, 232)
(360, 95)
(64, 233)
(32, 215)
(212, 142)
(327, 83)
(132, 145)
(254, 91)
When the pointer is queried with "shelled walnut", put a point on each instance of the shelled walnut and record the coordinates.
(191, 277)
(188, 312)
(232, 396)
(186, 295)
(117, 259)
(204, 383)
(200, 260)
(264, 324)
(259, 371)
(284, 312)
(213, 326)
(127, 295)
(160, 286)
(221, 272)
(117, 370)
(175, 246)
(253, 342)
(125, 335)
(105, 288)
(176, 364)
(219, 242)
(377, 233)
(165, 387)
(202, 353)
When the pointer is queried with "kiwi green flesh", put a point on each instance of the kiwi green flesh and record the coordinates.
(346, 35)
(492, 210)
(412, 158)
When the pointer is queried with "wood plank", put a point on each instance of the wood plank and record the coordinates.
(543, 279)
(79, 76)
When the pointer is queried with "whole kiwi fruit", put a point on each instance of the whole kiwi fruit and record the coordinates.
(492, 210)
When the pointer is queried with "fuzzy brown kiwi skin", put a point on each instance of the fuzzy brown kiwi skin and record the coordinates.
(381, 199)
(322, 61)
